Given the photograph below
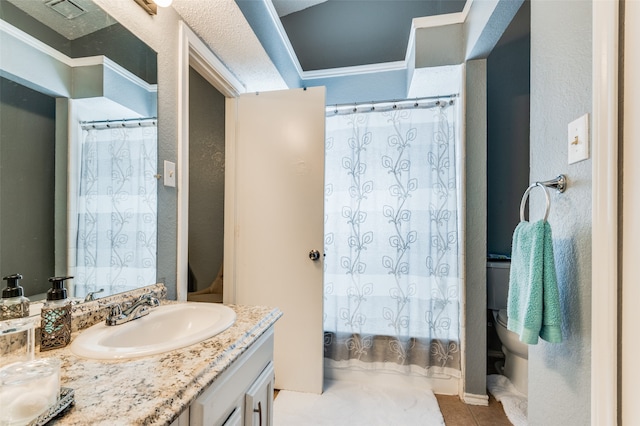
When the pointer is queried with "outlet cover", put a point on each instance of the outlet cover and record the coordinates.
(169, 173)
(578, 139)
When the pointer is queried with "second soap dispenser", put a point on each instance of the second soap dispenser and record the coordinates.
(55, 329)
(13, 303)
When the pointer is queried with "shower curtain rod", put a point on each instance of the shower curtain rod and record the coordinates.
(425, 102)
(125, 122)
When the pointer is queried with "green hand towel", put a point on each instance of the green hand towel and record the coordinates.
(533, 306)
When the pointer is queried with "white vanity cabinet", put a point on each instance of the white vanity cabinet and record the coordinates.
(242, 395)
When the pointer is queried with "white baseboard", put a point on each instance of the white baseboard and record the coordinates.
(475, 399)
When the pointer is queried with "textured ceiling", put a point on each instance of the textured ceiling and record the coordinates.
(223, 27)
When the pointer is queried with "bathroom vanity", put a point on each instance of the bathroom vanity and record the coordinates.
(242, 395)
(224, 380)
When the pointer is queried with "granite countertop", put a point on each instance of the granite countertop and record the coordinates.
(155, 390)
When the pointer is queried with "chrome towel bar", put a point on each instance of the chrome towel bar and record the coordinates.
(559, 183)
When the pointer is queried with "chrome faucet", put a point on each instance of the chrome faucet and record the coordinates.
(92, 295)
(139, 308)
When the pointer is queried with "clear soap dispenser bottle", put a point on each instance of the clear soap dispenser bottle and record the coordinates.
(13, 304)
(55, 328)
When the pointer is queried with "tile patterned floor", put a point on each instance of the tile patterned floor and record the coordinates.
(457, 413)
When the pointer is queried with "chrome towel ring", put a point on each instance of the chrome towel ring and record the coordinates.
(559, 183)
(526, 195)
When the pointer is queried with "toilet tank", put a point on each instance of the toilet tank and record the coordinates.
(497, 284)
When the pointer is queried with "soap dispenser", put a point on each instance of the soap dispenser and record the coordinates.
(55, 329)
(13, 304)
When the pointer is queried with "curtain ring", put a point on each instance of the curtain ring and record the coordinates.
(526, 195)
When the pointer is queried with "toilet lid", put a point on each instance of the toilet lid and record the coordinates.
(502, 317)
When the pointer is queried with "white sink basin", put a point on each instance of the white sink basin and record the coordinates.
(166, 328)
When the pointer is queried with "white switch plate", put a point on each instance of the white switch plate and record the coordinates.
(578, 139)
(169, 173)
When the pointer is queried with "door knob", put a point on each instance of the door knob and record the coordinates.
(314, 255)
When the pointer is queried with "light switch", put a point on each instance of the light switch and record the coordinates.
(578, 139)
(169, 173)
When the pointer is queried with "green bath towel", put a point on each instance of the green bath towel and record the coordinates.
(533, 307)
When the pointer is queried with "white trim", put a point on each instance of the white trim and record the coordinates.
(433, 21)
(182, 169)
(88, 61)
(203, 60)
(230, 202)
(27, 39)
(124, 73)
(629, 372)
(74, 153)
(273, 14)
(441, 20)
(474, 399)
(604, 293)
(462, 186)
(466, 9)
(355, 70)
(411, 45)
(193, 52)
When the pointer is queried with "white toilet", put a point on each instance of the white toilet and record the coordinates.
(516, 353)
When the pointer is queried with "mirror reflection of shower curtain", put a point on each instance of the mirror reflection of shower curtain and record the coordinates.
(393, 240)
(117, 204)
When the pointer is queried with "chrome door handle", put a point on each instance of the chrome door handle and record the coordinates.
(314, 255)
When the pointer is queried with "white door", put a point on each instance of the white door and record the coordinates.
(279, 201)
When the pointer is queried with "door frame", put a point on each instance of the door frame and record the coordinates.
(604, 239)
(629, 370)
(192, 52)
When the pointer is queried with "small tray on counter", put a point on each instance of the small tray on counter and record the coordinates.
(65, 400)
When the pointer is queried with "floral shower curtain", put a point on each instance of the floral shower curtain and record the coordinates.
(117, 203)
(392, 239)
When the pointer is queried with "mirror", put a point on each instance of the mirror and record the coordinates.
(78, 149)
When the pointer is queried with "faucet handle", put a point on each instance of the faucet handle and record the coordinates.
(92, 295)
(115, 310)
(150, 299)
(115, 313)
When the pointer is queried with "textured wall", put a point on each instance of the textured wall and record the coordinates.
(476, 227)
(561, 57)
(206, 179)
